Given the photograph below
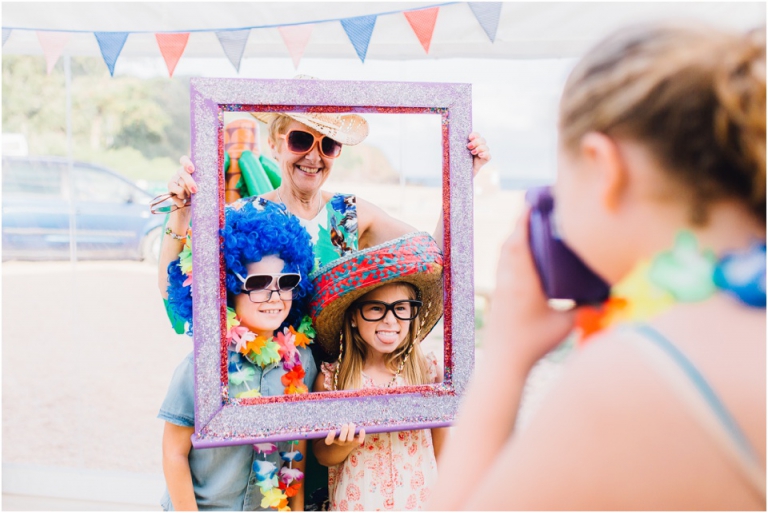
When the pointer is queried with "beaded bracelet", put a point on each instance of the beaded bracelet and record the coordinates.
(173, 235)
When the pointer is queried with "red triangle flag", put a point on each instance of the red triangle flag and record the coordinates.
(172, 46)
(423, 24)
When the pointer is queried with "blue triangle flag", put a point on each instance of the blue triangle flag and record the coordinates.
(6, 33)
(359, 31)
(111, 44)
(233, 42)
(487, 13)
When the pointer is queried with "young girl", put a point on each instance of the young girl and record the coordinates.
(382, 313)
(268, 257)
(661, 191)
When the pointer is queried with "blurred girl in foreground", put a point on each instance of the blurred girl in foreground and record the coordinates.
(661, 191)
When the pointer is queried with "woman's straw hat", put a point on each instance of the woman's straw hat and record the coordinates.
(349, 129)
(414, 258)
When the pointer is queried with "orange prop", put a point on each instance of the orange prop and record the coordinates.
(239, 136)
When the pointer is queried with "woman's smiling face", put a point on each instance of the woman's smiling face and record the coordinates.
(306, 172)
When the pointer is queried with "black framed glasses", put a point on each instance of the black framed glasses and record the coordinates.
(260, 287)
(405, 309)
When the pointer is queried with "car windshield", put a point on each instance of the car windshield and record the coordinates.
(101, 187)
(32, 178)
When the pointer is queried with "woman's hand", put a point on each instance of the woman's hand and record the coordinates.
(181, 184)
(481, 154)
(521, 323)
(346, 438)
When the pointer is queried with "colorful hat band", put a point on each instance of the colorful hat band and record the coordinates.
(398, 259)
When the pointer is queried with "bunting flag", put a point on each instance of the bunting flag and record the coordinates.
(53, 44)
(487, 14)
(423, 24)
(296, 38)
(359, 31)
(111, 44)
(172, 46)
(233, 42)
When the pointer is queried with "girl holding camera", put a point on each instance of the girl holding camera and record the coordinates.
(661, 192)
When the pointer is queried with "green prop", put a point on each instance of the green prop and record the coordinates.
(273, 172)
(254, 175)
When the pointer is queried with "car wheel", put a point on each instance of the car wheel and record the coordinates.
(150, 246)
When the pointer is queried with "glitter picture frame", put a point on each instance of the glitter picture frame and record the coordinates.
(222, 421)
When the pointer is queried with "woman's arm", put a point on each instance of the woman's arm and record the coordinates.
(183, 186)
(377, 227)
(521, 329)
(177, 442)
(333, 450)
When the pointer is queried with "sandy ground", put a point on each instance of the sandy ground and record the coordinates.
(87, 358)
(87, 351)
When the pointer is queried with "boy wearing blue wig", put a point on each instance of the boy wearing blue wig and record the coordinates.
(268, 257)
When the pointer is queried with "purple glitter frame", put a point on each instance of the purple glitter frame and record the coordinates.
(220, 420)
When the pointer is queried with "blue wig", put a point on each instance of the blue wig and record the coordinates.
(254, 228)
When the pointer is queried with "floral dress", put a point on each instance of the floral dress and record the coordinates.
(391, 471)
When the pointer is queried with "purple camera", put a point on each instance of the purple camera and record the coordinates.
(563, 274)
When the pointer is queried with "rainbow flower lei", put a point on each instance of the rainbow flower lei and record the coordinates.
(283, 347)
(276, 486)
(683, 274)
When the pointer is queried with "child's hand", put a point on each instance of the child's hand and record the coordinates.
(346, 437)
(522, 328)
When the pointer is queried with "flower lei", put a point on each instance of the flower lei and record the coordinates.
(276, 486)
(683, 274)
(263, 351)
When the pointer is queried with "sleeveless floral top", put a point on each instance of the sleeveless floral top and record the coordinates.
(334, 229)
(390, 471)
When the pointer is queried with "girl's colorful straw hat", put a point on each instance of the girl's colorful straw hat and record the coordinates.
(414, 258)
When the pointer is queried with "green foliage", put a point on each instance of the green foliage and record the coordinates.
(136, 126)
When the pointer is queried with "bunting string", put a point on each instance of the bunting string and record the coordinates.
(295, 36)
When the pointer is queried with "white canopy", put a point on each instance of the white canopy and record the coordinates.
(526, 29)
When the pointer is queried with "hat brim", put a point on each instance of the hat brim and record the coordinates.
(426, 276)
(348, 129)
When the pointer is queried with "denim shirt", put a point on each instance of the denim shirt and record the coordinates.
(223, 477)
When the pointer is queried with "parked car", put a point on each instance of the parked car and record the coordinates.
(46, 204)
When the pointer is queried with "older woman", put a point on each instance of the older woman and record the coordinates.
(305, 146)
